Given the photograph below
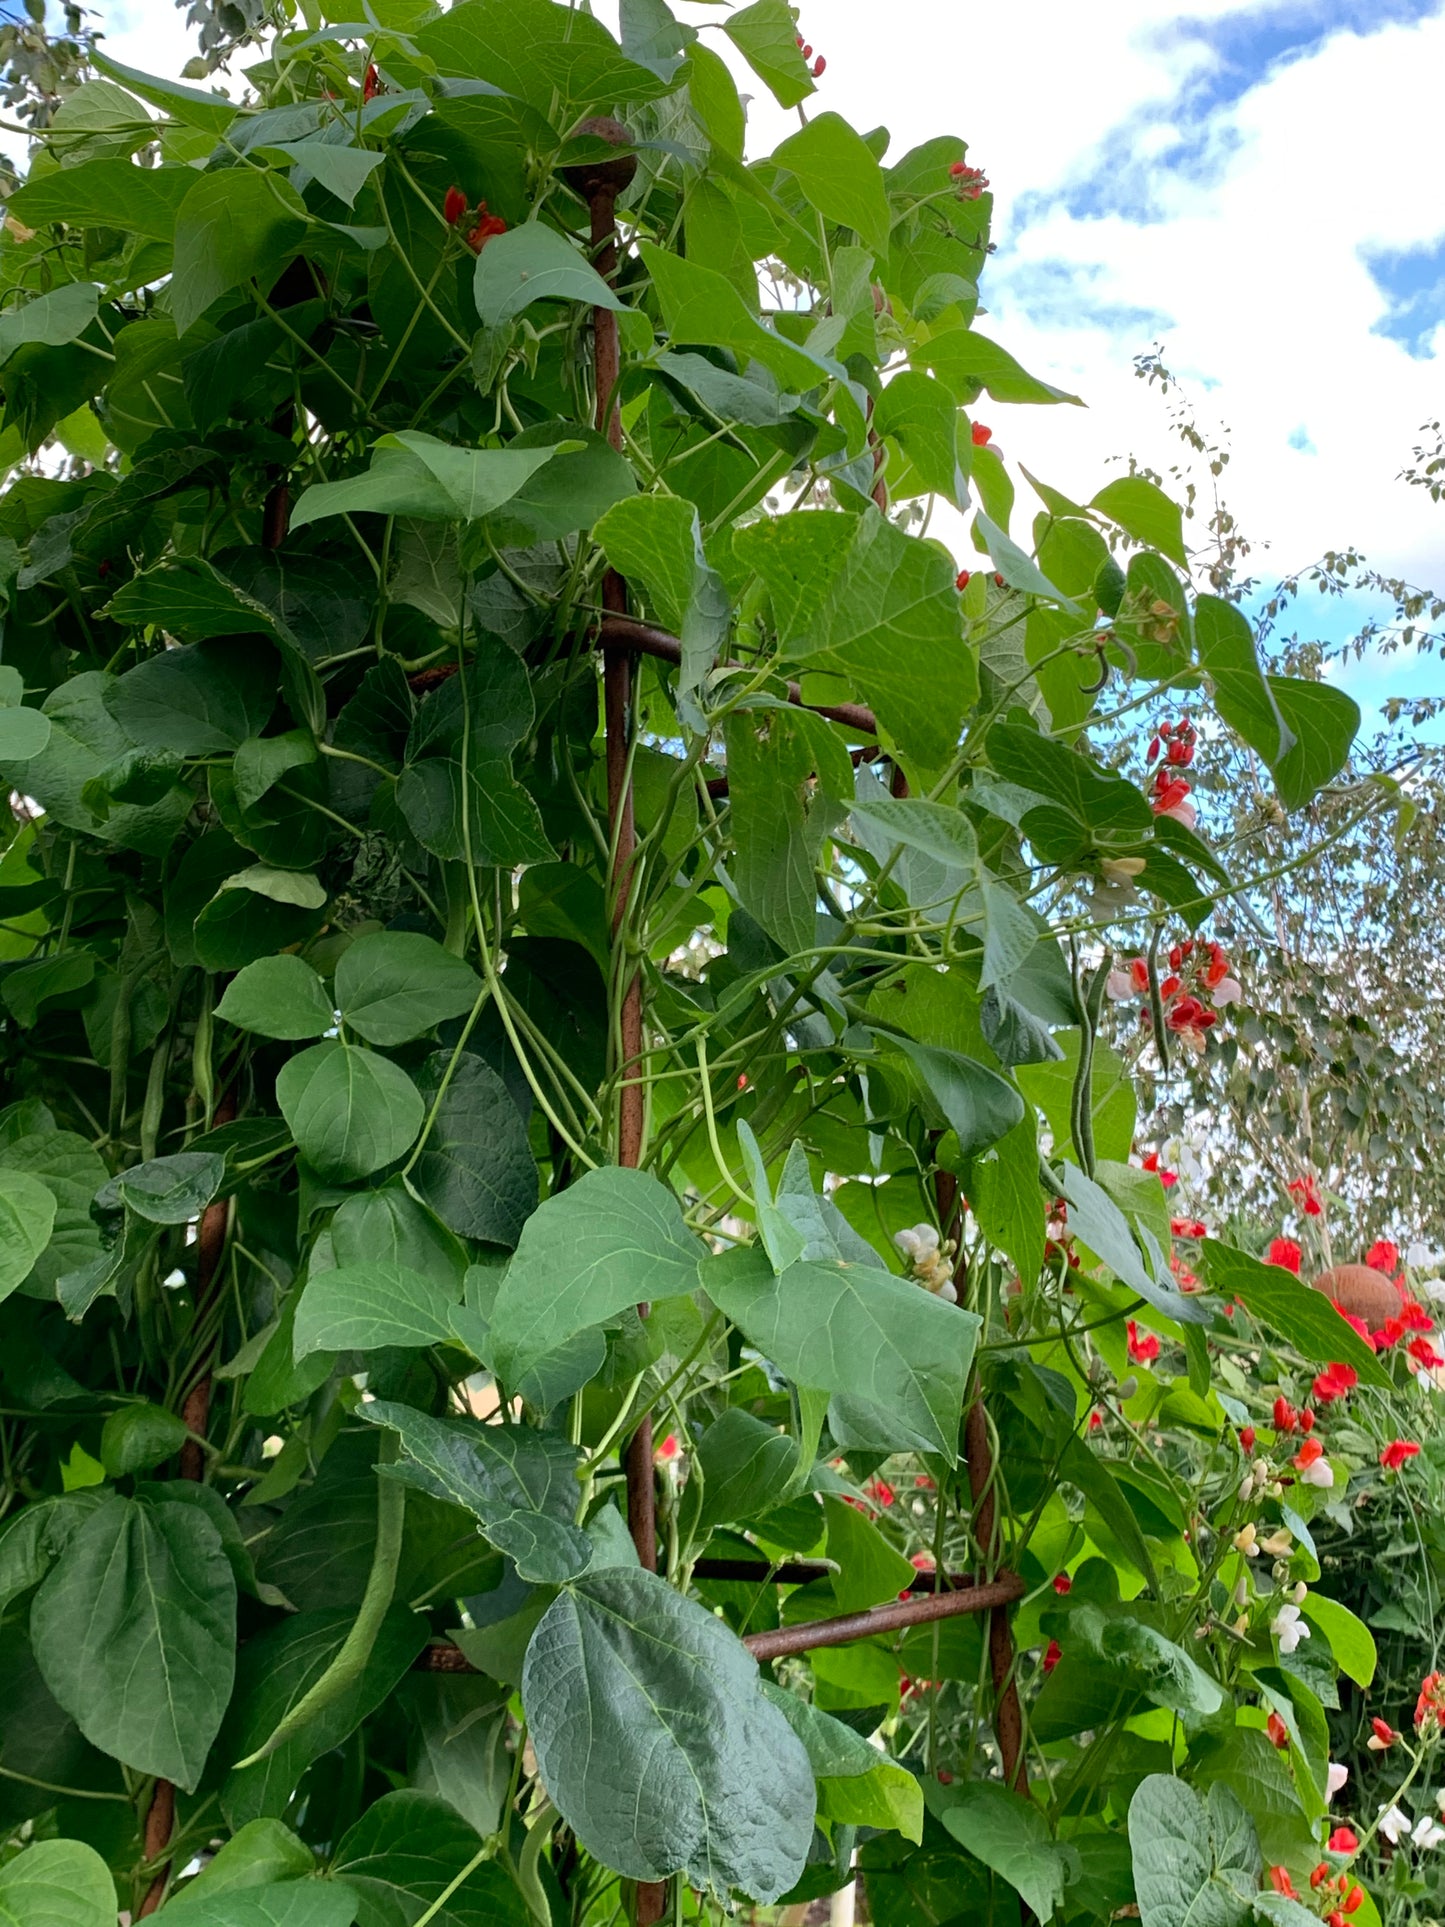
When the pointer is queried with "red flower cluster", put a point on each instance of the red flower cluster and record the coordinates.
(1431, 1703)
(1177, 741)
(1351, 1895)
(1151, 1163)
(1142, 1351)
(1334, 1382)
(1286, 1418)
(1397, 1452)
(971, 180)
(1306, 1194)
(982, 436)
(880, 1491)
(454, 208)
(1188, 1228)
(1286, 1253)
(1193, 967)
(807, 52)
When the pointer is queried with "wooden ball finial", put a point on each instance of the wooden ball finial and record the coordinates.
(1363, 1291)
(608, 174)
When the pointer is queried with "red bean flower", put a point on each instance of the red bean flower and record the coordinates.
(1189, 1020)
(487, 226)
(1424, 1353)
(1277, 1730)
(1062, 1583)
(1279, 1879)
(962, 579)
(1343, 1840)
(1396, 1453)
(1053, 1653)
(1431, 1703)
(1246, 1437)
(982, 435)
(1382, 1735)
(1142, 1350)
(1171, 798)
(371, 82)
(1285, 1252)
(1334, 1382)
(881, 1491)
(1383, 1256)
(1306, 1194)
(1151, 1163)
(1286, 1418)
(454, 206)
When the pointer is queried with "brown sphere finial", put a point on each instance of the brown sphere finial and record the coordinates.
(1363, 1291)
(608, 174)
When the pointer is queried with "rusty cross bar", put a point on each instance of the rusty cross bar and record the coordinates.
(844, 1629)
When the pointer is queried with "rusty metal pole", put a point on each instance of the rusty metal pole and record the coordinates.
(160, 1820)
(599, 183)
(1008, 1711)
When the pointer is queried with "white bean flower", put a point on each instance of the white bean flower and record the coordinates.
(1394, 1824)
(1428, 1833)
(1288, 1628)
(1335, 1779)
(1321, 1473)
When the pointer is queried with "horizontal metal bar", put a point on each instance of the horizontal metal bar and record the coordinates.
(625, 632)
(919, 1609)
(914, 1611)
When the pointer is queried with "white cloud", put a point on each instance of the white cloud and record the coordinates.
(1259, 265)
